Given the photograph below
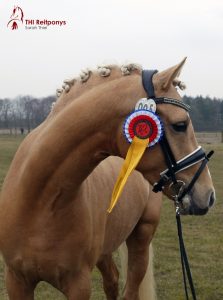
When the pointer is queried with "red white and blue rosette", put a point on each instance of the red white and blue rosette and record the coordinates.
(143, 124)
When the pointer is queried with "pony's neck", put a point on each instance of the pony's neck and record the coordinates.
(75, 141)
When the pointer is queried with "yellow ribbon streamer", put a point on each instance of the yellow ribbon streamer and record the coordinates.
(134, 154)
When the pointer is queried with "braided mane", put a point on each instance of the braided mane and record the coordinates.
(102, 70)
(88, 79)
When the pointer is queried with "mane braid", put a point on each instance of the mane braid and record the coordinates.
(102, 70)
(180, 84)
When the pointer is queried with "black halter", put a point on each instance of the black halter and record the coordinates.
(173, 166)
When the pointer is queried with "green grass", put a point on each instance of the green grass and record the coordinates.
(8, 146)
(203, 240)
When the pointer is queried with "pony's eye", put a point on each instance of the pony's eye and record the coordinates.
(180, 126)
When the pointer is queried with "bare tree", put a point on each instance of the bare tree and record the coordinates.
(6, 113)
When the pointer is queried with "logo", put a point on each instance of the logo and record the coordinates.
(16, 18)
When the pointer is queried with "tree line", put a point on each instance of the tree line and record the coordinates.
(206, 113)
(24, 113)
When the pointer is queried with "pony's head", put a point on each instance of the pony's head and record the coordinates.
(176, 164)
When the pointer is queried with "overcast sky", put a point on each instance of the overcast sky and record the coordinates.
(156, 34)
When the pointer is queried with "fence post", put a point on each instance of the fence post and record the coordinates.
(222, 136)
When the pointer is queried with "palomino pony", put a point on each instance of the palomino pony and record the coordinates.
(53, 208)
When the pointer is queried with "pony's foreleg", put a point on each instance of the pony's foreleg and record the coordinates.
(147, 287)
(78, 286)
(138, 258)
(18, 287)
(138, 251)
(110, 276)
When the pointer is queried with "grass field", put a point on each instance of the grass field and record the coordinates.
(203, 239)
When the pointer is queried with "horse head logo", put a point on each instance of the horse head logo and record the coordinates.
(16, 18)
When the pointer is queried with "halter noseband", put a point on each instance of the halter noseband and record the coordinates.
(173, 166)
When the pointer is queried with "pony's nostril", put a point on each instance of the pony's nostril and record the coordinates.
(212, 199)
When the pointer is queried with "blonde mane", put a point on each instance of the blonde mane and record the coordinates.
(87, 79)
(102, 70)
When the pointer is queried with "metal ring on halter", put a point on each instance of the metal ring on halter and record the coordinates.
(177, 188)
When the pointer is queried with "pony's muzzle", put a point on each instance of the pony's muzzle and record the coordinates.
(194, 209)
(187, 203)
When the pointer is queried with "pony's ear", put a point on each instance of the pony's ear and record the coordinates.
(166, 77)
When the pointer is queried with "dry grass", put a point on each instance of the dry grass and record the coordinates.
(209, 137)
(203, 239)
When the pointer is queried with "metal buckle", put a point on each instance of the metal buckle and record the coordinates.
(165, 177)
(176, 189)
